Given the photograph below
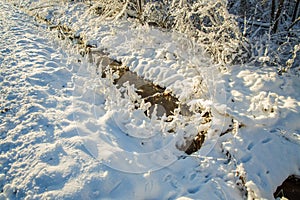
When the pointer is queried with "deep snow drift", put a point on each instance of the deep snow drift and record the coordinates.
(68, 133)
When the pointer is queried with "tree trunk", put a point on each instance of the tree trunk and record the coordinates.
(273, 6)
(295, 10)
(139, 6)
(243, 8)
(277, 17)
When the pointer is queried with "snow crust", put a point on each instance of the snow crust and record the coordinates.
(67, 133)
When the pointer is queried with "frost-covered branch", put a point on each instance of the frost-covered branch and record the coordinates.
(207, 21)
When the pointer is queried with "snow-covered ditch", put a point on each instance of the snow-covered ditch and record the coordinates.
(66, 132)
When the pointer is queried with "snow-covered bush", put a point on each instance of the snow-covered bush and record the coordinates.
(108, 9)
(207, 21)
(213, 28)
(276, 50)
(272, 29)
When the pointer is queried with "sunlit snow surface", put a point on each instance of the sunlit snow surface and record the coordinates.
(66, 133)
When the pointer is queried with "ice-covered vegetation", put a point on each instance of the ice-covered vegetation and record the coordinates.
(232, 32)
(260, 32)
(272, 28)
(207, 22)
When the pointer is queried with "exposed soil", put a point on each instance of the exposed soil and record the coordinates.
(149, 92)
(289, 189)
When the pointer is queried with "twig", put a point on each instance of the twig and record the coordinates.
(294, 23)
(256, 23)
(39, 7)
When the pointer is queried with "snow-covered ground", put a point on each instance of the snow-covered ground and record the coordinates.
(67, 133)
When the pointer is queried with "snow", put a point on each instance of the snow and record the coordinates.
(67, 133)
